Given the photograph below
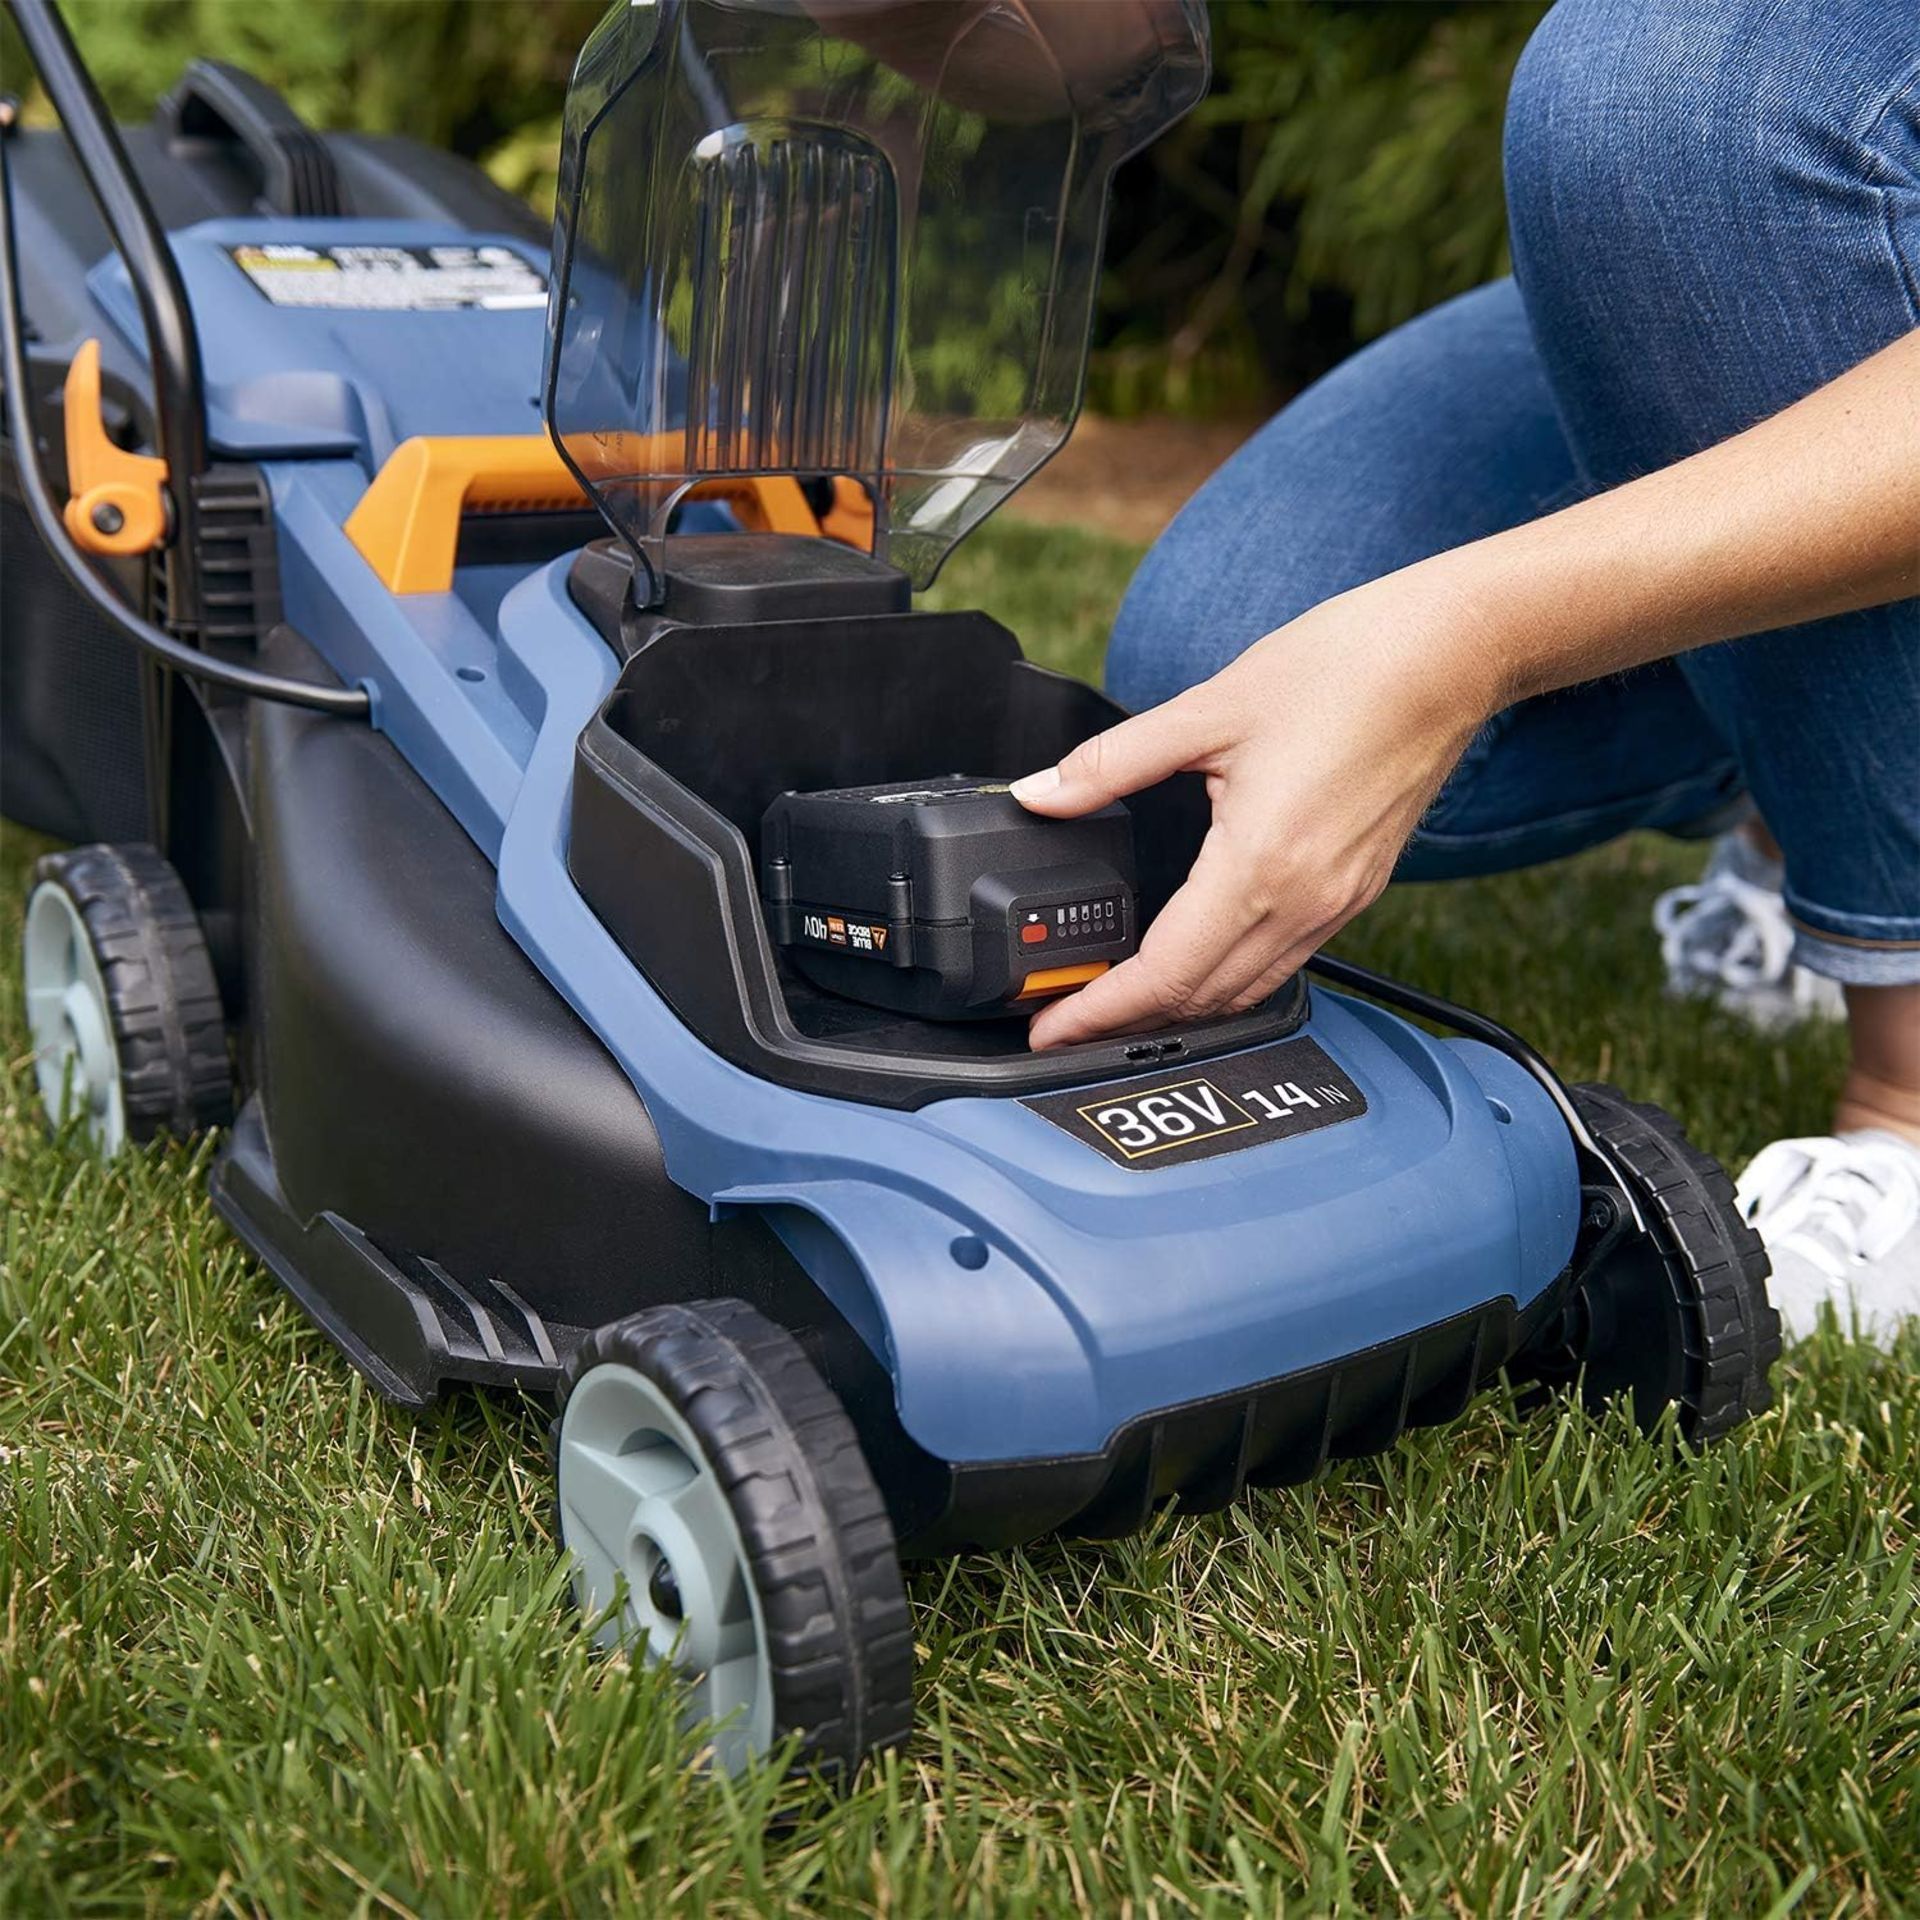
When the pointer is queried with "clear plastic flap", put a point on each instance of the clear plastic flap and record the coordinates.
(857, 237)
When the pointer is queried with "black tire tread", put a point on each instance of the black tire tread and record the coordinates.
(819, 1543)
(169, 1029)
(1714, 1260)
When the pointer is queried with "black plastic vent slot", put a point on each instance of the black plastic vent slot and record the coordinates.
(1148, 1051)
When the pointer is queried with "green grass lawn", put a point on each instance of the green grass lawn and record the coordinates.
(267, 1645)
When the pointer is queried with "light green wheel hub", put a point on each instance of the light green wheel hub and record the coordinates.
(75, 1060)
(649, 1525)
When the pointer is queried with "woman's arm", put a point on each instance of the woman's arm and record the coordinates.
(1325, 742)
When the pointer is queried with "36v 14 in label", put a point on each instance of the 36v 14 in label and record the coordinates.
(1291, 1088)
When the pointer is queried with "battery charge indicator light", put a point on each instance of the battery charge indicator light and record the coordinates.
(1080, 920)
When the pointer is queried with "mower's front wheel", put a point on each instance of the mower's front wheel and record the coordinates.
(723, 1520)
(1676, 1312)
(122, 1004)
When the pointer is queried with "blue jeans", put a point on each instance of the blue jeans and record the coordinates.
(1715, 208)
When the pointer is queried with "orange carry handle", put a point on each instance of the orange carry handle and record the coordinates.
(407, 524)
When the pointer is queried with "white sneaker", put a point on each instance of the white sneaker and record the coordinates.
(1728, 938)
(1841, 1219)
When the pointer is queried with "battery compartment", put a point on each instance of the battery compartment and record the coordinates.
(709, 723)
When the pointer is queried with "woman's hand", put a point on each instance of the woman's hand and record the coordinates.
(1322, 745)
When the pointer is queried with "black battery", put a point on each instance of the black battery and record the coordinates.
(946, 898)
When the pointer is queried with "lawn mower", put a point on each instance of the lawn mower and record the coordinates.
(516, 798)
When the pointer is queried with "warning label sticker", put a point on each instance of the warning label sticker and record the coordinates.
(392, 279)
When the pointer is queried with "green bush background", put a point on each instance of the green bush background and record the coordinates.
(1343, 174)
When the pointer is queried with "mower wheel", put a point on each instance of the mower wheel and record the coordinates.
(723, 1519)
(1677, 1313)
(122, 1004)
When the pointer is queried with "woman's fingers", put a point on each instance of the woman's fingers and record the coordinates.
(1218, 946)
(1137, 753)
(1150, 989)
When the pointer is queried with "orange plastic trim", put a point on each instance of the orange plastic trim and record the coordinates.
(407, 524)
(767, 503)
(117, 501)
(1050, 980)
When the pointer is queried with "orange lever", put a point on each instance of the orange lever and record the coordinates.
(1050, 980)
(117, 500)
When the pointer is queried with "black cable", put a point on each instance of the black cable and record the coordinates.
(162, 646)
(1476, 1026)
(173, 344)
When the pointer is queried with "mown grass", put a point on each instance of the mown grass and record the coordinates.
(267, 1645)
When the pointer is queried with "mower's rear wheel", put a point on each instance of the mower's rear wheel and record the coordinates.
(122, 1004)
(1676, 1314)
(711, 1485)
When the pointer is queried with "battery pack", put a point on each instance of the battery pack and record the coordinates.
(946, 898)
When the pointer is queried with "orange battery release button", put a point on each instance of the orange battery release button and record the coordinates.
(1061, 979)
(1032, 935)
